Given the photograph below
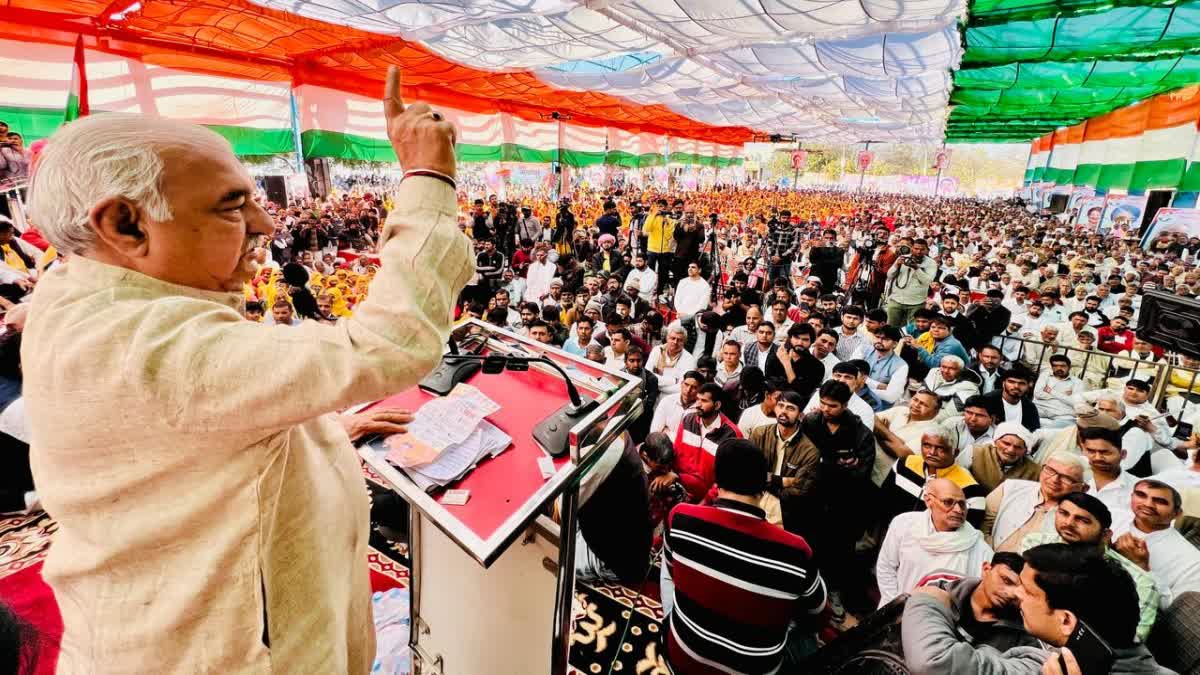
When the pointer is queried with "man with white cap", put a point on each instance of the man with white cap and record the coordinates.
(1007, 456)
(1009, 341)
(1021, 507)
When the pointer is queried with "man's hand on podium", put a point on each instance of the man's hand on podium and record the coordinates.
(382, 421)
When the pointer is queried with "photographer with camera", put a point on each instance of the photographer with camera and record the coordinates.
(826, 259)
(908, 282)
(873, 257)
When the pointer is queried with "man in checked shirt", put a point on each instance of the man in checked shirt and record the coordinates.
(783, 241)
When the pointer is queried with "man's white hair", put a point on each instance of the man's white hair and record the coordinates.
(1068, 458)
(100, 157)
(952, 359)
(1116, 400)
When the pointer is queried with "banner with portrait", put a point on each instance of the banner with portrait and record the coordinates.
(1091, 210)
(1168, 221)
(1077, 195)
(1122, 215)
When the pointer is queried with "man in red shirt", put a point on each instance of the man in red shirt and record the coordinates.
(696, 443)
(1115, 337)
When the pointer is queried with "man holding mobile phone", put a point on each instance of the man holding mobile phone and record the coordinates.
(1093, 631)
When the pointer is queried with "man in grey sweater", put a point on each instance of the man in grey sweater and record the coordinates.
(1060, 587)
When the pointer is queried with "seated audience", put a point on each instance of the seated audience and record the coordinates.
(939, 538)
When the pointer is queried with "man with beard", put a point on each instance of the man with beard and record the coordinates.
(671, 407)
(489, 263)
(792, 459)
(987, 366)
(1082, 520)
(888, 374)
(794, 363)
(1009, 404)
(645, 277)
(696, 443)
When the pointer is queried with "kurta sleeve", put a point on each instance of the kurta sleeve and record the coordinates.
(204, 364)
(887, 567)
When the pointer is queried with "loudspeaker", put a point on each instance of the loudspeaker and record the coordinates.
(276, 187)
(319, 182)
(1171, 322)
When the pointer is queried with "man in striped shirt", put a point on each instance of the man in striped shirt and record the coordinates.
(733, 585)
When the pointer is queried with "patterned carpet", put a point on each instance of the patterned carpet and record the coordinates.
(616, 629)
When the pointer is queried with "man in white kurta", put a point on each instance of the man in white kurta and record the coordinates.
(1145, 535)
(212, 515)
(939, 538)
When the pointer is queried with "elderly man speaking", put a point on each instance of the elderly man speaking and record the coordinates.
(212, 514)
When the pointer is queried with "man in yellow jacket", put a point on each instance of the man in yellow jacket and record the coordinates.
(659, 230)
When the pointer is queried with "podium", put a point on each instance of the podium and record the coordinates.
(492, 580)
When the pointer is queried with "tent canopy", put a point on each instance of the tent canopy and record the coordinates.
(708, 70)
(1031, 67)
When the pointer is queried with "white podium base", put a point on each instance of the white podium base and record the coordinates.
(497, 621)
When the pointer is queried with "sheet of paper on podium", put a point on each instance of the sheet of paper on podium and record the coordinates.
(448, 437)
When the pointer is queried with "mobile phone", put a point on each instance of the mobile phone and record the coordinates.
(1183, 431)
(1092, 653)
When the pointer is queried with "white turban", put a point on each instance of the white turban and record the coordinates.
(1012, 429)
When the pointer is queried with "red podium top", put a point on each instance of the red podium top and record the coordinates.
(508, 491)
(501, 485)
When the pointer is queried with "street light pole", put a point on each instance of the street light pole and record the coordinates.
(937, 185)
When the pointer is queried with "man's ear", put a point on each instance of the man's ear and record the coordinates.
(1066, 622)
(118, 223)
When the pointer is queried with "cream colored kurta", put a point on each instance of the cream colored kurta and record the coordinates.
(193, 466)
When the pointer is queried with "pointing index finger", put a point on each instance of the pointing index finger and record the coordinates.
(393, 103)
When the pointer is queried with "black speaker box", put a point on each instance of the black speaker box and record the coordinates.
(1171, 322)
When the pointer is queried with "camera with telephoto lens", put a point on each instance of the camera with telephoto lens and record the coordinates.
(903, 250)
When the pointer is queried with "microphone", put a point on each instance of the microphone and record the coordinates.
(553, 434)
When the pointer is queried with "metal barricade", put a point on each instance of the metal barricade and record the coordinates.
(1171, 376)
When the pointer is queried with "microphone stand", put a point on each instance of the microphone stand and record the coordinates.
(553, 434)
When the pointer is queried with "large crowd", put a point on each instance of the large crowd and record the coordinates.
(852, 400)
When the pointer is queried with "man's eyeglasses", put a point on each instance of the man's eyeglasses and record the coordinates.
(1058, 476)
(949, 503)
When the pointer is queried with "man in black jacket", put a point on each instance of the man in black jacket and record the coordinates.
(793, 363)
(635, 358)
(983, 321)
(844, 496)
(826, 260)
(1009, 403)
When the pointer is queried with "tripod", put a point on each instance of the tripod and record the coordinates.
(862, 293)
